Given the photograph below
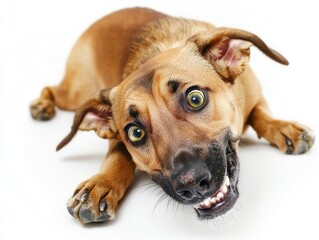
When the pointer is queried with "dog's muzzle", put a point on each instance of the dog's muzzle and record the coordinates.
(207, 181)
(226, 195)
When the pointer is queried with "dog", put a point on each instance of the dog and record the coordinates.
(165, 91)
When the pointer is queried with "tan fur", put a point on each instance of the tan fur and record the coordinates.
(136, 52)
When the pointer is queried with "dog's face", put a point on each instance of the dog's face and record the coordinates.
(177, 117)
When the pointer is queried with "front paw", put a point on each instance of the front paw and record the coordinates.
(94, 200)
(292, 137)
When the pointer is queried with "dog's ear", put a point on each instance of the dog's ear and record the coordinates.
(228, 50)
(95, 114)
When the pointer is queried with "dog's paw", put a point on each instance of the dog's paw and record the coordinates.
(94, 200)
(292, 137)
(42, 109)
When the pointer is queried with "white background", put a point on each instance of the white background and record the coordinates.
(279, 193)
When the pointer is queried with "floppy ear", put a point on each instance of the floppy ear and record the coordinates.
(228, 50)
(95, 114)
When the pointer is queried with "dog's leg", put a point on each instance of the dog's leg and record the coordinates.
(81, 81)
(43, 108)
(96, 199)
(66, 96)
(289, 137)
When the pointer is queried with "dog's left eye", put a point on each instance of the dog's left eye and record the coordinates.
(195, 99)
(135, 134)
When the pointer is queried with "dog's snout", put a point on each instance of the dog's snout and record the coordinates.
(192, 182)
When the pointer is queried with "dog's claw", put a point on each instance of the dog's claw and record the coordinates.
(290, 147)
(84, 196)
(307, 140)
(103, 206)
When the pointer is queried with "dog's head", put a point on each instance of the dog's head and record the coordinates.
(177, 117)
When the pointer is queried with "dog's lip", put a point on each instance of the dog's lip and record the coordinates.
(219, 208)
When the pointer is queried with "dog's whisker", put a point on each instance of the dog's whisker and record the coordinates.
(157, 188)
(150, 187)
(146, 184)
(168, 203)
(159, 200)
(216, 223)
(177, 205)
(160, 192)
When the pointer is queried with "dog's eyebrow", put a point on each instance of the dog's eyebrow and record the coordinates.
(132, 111)
(146, 81)
(173, 85)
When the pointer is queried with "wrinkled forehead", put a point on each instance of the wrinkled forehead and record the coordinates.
(138, 94)
(161, 76)
(182, 64)
(151, 85)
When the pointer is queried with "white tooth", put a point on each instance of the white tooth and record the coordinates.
(224, 188)
(220, 195)
(206, 202)
(226, 180)
(213, 200)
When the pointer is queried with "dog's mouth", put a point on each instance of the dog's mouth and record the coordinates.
(225, 197)
(212, 204)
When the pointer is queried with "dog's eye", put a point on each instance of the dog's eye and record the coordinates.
(195, 99)
(135, 134)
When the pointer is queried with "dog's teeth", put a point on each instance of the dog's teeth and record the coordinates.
(227, 181)
(207, 202)
(213, 200)
(220, 196)
(224, 188)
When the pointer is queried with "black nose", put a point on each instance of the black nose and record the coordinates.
(192, 182)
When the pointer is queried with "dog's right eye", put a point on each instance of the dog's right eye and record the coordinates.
(135, 134)
(195, 99)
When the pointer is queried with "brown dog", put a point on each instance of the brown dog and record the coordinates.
(168, 100)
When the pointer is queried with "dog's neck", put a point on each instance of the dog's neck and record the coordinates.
(158, 36)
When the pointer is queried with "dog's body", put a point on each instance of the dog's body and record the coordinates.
(163, 78)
